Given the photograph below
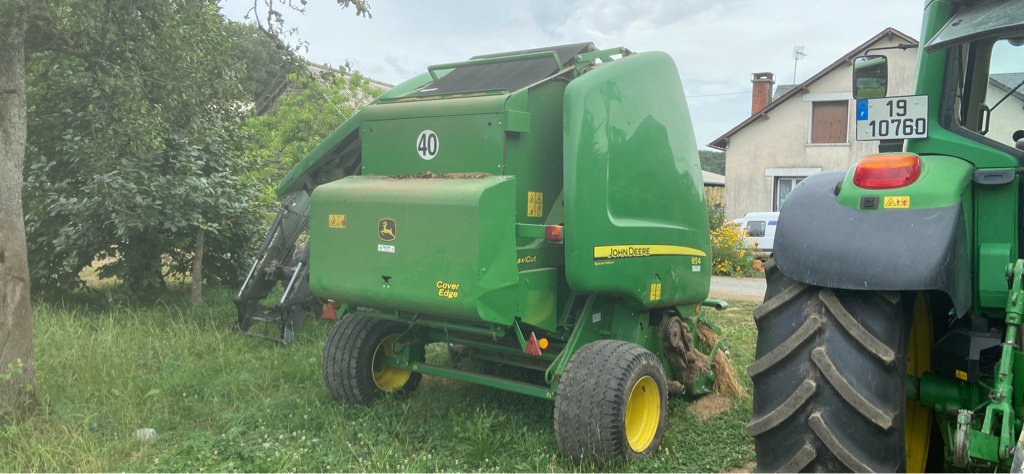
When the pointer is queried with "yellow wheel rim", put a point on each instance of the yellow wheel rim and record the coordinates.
(918, 429)
(643, 413)
(387, 378)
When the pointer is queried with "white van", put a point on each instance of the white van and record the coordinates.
(760, 229)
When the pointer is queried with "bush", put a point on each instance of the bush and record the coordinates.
(732, 254)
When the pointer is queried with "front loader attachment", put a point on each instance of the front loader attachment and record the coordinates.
(282, 258)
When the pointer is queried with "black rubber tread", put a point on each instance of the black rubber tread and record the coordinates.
(590, 404)
(348, 358)
(829, 379)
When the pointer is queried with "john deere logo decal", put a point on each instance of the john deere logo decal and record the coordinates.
(387, 230)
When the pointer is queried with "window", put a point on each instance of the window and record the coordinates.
(755, 228)
(988, 96)
(829, 121)
(783, 186)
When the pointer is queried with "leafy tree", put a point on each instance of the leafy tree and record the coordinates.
(313, 106)
(712, 161)
(133, 145)
(140, 134)
(264, 59)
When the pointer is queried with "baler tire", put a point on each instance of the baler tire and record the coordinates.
(348, 360)
(593, 395)
(829, 378)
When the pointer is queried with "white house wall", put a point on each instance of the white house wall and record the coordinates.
(780, 141)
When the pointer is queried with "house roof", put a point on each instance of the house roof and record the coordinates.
(1006, 82)
(722, 142)
(713, 179)
(782, 89)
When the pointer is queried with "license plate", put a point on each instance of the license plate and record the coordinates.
(892, 118)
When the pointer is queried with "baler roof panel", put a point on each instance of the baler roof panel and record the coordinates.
(509, 76)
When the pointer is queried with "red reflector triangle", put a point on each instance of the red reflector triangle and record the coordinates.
(532, 347)
(329, 313)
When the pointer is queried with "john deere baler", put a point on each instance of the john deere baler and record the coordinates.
(542, 209)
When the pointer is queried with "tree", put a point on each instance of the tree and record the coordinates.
(264, 59)
(712, 161)
(313, 106)
(17, 362)
(108, 48)
(134, 147)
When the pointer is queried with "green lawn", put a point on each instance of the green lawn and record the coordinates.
(223, 402)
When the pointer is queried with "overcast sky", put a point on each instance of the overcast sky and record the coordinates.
(716, 44)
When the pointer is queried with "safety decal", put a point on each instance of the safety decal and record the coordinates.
(896, 202)
(655, 291)
(447, 290)
(534, 204)
(633, 251)
(387, 230)
(337, 221)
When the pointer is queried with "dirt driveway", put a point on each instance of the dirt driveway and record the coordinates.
(744, 289)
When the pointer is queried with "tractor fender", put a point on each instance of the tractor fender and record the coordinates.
(820, 242)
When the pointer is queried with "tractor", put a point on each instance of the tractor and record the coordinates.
(889, 337)
(539, 209)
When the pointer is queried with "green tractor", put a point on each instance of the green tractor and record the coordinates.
(889, 338)
(539, 209)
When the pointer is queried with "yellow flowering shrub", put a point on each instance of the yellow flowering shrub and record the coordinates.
(732, 254)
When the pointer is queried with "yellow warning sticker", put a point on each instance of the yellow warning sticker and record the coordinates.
(655, 291)
(896, 202)
(632, 251)
(337, 221)
(961, 375)
(534, 204)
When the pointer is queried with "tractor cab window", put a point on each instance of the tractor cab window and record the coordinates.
(989, 98)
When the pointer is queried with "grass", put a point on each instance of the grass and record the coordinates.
(223, 402)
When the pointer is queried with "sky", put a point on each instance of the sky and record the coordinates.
(716, 44)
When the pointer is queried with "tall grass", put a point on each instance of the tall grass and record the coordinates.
(223, 402)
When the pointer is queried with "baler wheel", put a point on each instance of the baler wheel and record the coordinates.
(612, 403)
(352, 367)
(829, 380)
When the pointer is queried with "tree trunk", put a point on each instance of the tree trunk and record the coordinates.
(197, 271)
(16, 353)
(143, 273)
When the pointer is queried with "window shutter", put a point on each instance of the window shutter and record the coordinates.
(829, 122)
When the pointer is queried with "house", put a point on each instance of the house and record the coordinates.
(1007, 117)
(806, 128)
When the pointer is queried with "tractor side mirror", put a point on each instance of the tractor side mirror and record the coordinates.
(870, 77)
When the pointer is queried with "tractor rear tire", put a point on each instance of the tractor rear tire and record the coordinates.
(352, 374)
(829, 379)
(612, 403)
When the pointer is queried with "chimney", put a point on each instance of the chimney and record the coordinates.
(762, 96)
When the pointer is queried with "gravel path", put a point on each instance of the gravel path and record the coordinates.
(745, 289)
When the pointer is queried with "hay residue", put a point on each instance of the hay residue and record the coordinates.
(432, 175)
(709, 406)
(726, 381)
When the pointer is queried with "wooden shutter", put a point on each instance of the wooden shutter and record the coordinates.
(829, 122)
